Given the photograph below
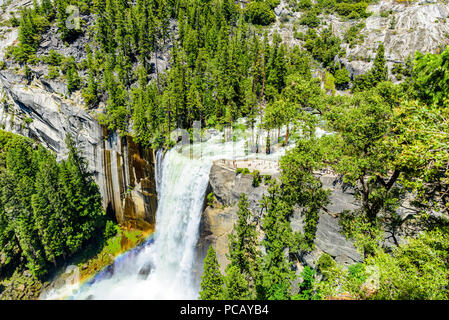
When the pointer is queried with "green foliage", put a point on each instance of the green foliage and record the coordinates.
(310, 19)
(212, 279)
(53, 72)
(431, 76)
(301, 187)
(416, 270)
(323, 47)
(357, 271)
(304, 4)
(278, 114)
(257, 178)
(341, 78)
(353, 36)
(210, 199)
(63, 16)
(329, 83)
(73, 79)
(259, 12)
(236, 286)
(32, 25)
(306, 287)
(242, 171)
(111, 229)
(327, 6)
(220, 68)
(367, 235)
(40, 200)
(352, 10)
(388, 143)
(325, 263)
(53, 58)
(377, 74)
(276, 270)
(243, 249)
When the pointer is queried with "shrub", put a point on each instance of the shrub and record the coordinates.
(13, 21)
(111, 229)
(53, 72)
(210, 199)
(305, 4)
(329, 83)
(341, 77)
(53, 58)
(325, 263)
(259, 13)
(357, 272)
(310, 19)
(257, 178)
(353, 35)
(242, 171)
(352, 10)
(266, 178)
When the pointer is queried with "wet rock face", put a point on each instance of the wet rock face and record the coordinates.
(130, 182)
(145, 271)
(122, 169)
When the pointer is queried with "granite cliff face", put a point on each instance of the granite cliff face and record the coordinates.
(218, 220)
(403, 27)
(42, 109)
(39, 109)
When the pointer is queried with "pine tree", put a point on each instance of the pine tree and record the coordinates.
(46, 206)
(279, 238)
(243, 251)
(236, 286)
(73, 79)
(379, 70)
(48, 9)
(212, 279)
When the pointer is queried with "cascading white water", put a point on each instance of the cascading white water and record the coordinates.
(182, 177)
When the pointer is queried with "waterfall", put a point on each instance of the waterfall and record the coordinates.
(158, 171)
(163, 267)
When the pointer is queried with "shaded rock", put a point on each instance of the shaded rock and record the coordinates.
(146, 270)
(328, 240)
(341, 197)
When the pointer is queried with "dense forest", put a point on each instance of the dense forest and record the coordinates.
(389, 140)
(49, 209)
(223, 65)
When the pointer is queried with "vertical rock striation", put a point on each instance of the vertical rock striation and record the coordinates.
(123, 170)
